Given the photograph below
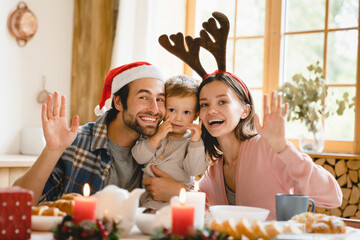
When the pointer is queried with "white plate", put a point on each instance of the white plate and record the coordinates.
(44, 223)
(311, 236)
(317, 236)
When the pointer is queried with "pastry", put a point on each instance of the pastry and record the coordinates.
(65, 206)
(70, 196)
(244, 227)
(227, 227)
(215, 225)
(259, 230)
(52, 211)
(37, 211)
(320, 223)
(273, 229)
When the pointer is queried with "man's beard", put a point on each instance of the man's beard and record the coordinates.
(131, 122)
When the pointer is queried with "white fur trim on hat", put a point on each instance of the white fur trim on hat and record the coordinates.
(143, 71)
(99, 112)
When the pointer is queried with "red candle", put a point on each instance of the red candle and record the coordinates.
(85, 207)
(182, 216)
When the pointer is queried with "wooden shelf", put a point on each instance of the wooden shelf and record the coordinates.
(8, 161)
(335, 155)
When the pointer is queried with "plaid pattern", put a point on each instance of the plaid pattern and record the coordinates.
(86, 160)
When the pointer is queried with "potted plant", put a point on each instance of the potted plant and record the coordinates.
(306, 95)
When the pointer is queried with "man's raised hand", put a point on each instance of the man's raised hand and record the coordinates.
(53, 115)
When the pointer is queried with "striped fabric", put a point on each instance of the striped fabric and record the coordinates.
(86, 160)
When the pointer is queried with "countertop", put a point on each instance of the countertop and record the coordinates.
(17, 160)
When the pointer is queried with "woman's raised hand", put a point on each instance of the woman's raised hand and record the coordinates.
(53, 115)
(273, 128)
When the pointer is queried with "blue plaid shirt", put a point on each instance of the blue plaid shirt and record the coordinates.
(87, 160)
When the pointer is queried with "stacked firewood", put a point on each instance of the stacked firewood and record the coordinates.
(346, 172)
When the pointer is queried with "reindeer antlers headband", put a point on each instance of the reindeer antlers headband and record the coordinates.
(217, 48)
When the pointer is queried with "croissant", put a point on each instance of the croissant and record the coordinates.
(37, 211)
(53, 211)
(320, 223)
(66, 206)
(70, 196)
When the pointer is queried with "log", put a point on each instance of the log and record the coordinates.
(357, 214)
(353, 164)
(354, 195)
(342, 180)
(344, 204)
(331, 161)
(319, 210)
(349, 211)
(336, 212)
(340, 168)
(346, 193)
(354, 176)
(349, 183)
(330, 169)
(320, 161)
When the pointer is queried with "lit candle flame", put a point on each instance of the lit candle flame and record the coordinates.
(86, 190)
(182, 196)
(196, 187)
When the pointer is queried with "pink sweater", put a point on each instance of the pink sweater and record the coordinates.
(261, 173)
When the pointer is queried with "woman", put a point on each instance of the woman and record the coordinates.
(252, 162)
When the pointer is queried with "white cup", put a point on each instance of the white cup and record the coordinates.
(32, 141)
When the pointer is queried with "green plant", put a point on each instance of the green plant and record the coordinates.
(307, 95)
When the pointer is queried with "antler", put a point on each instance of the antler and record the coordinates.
(217, 48)
(190, 57)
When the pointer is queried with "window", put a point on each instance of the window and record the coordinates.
(270, 41)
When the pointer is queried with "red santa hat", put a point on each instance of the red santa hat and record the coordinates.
(120, 76)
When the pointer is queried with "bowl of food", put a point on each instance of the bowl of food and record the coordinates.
(145, 220)
(148, 219)
(225, 212)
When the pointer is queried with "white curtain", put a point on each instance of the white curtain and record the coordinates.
(139, 25)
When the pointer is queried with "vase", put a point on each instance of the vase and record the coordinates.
(312, 137)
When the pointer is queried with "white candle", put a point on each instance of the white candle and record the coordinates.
(197, 199)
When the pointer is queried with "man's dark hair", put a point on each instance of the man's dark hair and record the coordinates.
(123, 93)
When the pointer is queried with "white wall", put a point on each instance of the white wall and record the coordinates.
(140, 23)
(49, 53)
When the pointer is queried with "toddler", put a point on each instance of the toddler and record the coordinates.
(177, 148)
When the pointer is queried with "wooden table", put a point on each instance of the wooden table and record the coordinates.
(134, 234)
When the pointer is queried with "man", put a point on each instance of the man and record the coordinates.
(100, 153)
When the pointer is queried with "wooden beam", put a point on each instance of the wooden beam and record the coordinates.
(272, 45)
(92, 50)
(357, 99)
(189, 27)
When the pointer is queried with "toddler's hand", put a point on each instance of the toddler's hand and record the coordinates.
(164, 129)
(161, 133)
(195, 131)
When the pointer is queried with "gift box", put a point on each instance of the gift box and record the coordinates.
(15, 213)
